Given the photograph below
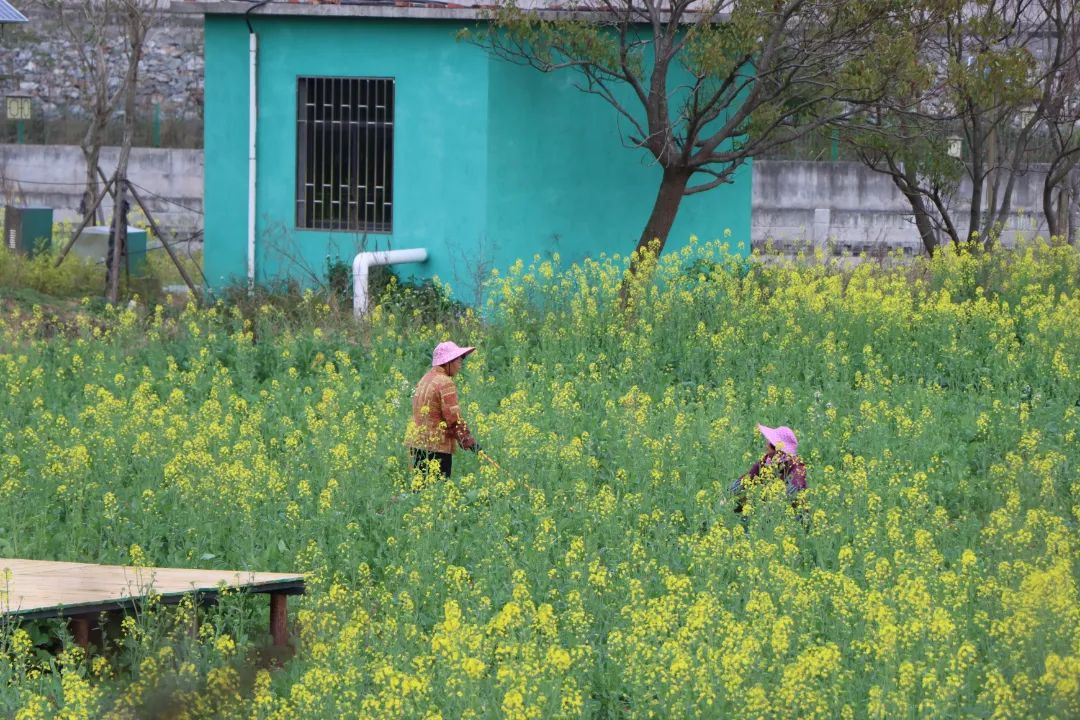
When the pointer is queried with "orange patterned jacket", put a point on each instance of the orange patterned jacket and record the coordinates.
(436, 423)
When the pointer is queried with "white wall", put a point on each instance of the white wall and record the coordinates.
(53, 176)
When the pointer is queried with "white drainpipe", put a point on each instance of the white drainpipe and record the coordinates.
(364, 260)
(253, 105)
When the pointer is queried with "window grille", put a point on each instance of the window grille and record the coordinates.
(345, 154)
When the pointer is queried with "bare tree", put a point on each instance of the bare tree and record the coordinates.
(107, 39)
(985, 84)
(138, 17)
(134, 21)
(88, 27)
(703, 86)
(1061, 117)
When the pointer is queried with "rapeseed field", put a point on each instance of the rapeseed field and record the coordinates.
(598, 571)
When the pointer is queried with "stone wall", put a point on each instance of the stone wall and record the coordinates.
(37, 59)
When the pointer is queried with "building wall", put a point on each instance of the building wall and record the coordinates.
(225, 145)
(560, 184)
(492, 162)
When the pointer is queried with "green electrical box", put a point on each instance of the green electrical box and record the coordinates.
(27, 229)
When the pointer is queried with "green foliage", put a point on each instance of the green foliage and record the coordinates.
(74, 278)
(705, 87)
(552, 43)
(286, 301)
(77, 277)
(425, 300)
(994, 77)
(339, 280)
(598, 571)
(163, 269)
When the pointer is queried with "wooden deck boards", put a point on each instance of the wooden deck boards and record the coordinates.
(43, 588)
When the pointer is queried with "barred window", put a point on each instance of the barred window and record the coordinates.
(345, 154)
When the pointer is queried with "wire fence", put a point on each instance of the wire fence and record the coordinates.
(822, 144)
(153, 128)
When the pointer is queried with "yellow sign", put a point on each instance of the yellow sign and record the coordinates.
(18, 107)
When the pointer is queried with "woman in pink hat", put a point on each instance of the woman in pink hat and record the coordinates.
(781, 460)
(436, 427)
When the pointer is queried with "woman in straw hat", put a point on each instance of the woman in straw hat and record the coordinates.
(436, 427)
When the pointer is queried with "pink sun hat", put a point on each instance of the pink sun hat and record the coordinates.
(782, 438)
(448, 352)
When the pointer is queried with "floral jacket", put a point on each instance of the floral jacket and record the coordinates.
(436, 423)
(788, 468)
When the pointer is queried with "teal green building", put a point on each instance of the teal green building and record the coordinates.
(376, 128)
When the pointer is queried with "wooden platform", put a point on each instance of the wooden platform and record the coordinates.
(82, 591)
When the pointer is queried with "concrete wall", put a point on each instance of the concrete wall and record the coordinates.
(169, 181)
(848, 208)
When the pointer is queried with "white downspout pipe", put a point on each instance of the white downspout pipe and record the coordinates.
(253, 113)
(364, 260)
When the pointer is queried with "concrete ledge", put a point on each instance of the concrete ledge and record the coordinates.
(307, 9)
(464, 10)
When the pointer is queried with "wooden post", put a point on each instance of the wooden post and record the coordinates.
(164, 243)
(119, 223)
(193, 626)
(279, 609)
(80, 630)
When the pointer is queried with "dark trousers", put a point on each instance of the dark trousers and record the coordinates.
(420, 459)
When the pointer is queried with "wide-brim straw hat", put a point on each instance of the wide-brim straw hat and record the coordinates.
(782, 438)
(448, 351)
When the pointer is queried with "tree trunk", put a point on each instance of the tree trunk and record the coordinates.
(654, 236)
(907, 184)
(922, 222)
(995, 223)
(99, 108)
(119, 243)
(119, 216)
(975, 216)
(672, 185)
(1053, 227)
(92, 154)
(1072, 210)
(990, 189)
(1064, 201)
(942, 207)
(977, 181)
(136, 37)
